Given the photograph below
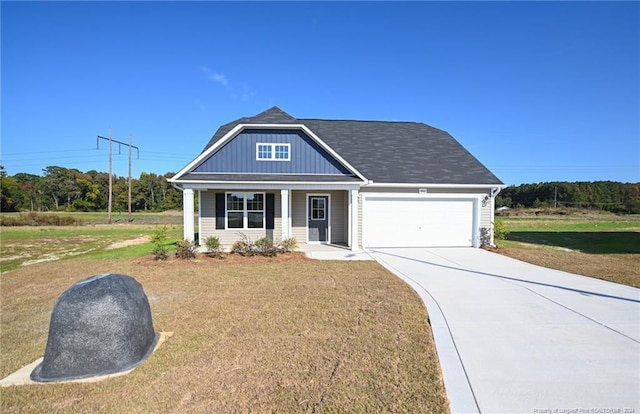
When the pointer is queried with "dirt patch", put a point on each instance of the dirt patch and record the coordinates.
(130, 242)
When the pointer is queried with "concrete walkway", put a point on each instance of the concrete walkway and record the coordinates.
(518, 338)
(320, 251)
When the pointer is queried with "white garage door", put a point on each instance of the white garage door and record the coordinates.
(418, 222)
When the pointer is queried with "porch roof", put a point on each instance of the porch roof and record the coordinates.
(261, 178)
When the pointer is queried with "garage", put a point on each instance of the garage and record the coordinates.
(394, 221)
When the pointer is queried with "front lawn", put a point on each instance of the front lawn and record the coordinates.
(250, 335)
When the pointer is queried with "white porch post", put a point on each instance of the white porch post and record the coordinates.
(353, 219)
(284, 213)
(187, 213)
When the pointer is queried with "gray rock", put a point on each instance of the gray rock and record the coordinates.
(101, 325)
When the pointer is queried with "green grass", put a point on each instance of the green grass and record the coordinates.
(599, 235)
(26, 245)
(604, 246)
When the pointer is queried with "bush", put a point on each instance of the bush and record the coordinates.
(185, 249)
(499, 231)
(37, 219)
(244, 246)
(265, 247)
(288, 245)
(214, 249)
(158, 238)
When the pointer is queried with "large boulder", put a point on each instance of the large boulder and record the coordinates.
(99, 326)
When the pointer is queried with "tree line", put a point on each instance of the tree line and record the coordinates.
(601, 195)
(69, 189)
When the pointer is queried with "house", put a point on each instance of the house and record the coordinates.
(362, 184)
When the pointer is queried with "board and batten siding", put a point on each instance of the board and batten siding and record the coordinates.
(229, 236)
(239, 155)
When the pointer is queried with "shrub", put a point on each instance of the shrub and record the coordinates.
(265, 247)
(158, 238)
(288, 245)
(37, 219)
(214, 249)
(185, 249)
(244, 246)
(499, 231)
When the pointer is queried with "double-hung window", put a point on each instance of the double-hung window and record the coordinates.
(273, 152)
(245, 210)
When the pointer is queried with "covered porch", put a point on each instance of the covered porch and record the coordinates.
(313, 214)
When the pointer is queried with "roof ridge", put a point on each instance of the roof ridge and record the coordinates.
(360, 120)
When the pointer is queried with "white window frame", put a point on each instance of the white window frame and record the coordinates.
(273, 147)
(245, 211)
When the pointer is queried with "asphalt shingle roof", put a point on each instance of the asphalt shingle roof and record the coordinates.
(387, 152)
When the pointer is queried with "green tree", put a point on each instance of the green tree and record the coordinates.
(9, 191)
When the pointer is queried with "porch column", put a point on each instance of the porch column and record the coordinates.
(353, 219)
(187, 213)
(284, 213)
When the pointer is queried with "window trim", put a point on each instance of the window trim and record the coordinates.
(245, 211)
(273, 146)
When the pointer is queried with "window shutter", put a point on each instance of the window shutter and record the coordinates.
(271, 209)
(220, 210)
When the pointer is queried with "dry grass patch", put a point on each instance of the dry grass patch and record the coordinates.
(618, 268)
(251, 335)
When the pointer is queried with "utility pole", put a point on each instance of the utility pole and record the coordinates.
(110, 177)
(555, 197)
(130, 145)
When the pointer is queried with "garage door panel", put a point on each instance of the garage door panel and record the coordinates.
(418, 222)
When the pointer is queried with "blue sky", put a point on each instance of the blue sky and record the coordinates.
(537, 91)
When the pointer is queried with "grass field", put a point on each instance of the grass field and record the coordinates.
(605, 246)
(285, 334)
(261, 334)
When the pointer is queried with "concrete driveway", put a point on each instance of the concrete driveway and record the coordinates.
(518, 338)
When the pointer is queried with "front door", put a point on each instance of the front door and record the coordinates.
(319, 219)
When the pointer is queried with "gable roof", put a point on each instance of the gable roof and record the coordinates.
(386, 152)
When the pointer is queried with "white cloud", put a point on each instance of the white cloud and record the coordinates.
(241, 92)
(215, 76)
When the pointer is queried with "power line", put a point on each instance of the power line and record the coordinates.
(120, 144)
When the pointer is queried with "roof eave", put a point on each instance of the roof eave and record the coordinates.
(432, 185)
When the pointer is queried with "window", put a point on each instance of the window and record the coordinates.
(264, 152)
(245, 210)
(318, 208)
(273, 152)
(282, 152)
